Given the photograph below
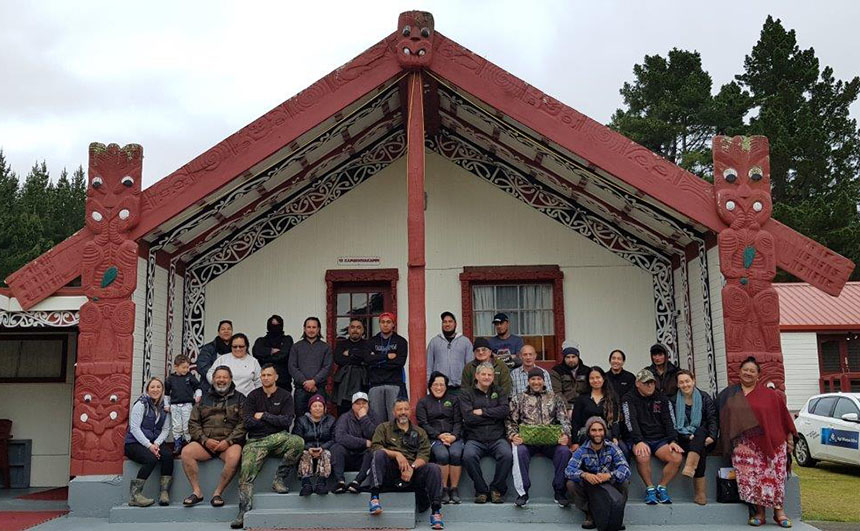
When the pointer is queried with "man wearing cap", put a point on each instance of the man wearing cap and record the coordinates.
(520, 375)
(483, 354)
(538, 406)
(650, 424)
(505, 345)
(388, 352)
(570, 377)
(449, 352)
(598, 464)
(353, 434)
(664, 371)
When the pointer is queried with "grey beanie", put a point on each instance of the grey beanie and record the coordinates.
(591, 421)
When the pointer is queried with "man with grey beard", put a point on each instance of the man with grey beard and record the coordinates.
(216, 430)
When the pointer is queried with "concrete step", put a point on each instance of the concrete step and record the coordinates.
(202, 512)
(332, 502)
(314, 518)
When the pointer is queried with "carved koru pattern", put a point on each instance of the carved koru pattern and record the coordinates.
(265, 228)
(747, 255)
(108, 278)
(56, 319)
(415, 40)
(512, 181)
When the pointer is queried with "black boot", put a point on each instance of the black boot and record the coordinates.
(307, 487)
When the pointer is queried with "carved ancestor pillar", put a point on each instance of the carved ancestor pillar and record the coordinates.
(108, 278)
(748, 255)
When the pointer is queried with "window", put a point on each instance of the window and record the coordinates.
(33, 358)
(531, 296)
(361, 293)
(845, 405)
(361, 303)
(824, 406)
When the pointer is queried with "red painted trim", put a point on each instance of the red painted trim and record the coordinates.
(472, 275)
(336, 277)
(816, 328)
(415, 236)
(43, 276)
(68, 291)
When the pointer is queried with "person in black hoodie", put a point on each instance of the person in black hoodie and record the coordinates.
(484, 408)
(570, 377)
(665, 372)
(274, 348)
(351, 356)
(388, 353)
(317, 429)
(210, 351)
(650, 424)
(622, 381)
(438, 413)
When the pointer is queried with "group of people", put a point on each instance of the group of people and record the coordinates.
(484, 399)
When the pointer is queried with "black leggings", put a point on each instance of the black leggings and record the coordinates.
(141, 454)
(697, 444)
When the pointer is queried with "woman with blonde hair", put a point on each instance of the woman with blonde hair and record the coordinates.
(148, 427)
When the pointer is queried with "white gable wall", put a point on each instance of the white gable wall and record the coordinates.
(800, 355)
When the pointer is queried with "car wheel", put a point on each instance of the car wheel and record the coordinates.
(801, 453)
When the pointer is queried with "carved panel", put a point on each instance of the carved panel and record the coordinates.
(53, 319)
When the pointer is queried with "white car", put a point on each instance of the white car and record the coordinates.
(829, 429)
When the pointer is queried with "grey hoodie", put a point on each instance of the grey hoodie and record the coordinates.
(449, 358)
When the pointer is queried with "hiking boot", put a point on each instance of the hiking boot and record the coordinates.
(663, 494)
(455, 495)
(279, 485)
(588, 523)
(446, 496)
(245, 496)
(137, 498)
(481, 498)
(497, 497)
(164, 496)
(651, 495)
(521, 501)
(321, 487)
(307, 487)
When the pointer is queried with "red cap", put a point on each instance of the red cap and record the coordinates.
(387, 314)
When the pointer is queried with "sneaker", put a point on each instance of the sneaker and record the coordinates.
(455, 496)
(497, 497)
(651, 496)
(561, 499)
(354, 488)
(436, 521)
(446, 496)
(374, 506)
(307, 488)
(481, 498)
(322, 486)
(340, 488)
(521, 501)
(663, 494)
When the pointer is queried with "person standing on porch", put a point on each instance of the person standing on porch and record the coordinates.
(622, 381)
(483, 354)
(505, 345)
(449, 352)
(310, 363)
(274, 348)
(570, 377)
(351, 356)
(244, 367)
(665, 372)
(210, 351)
(181, 392)
(520, 375)
(148, 427)
(267, 414)
(388, 354)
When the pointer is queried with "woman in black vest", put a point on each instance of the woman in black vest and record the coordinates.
(148, 427)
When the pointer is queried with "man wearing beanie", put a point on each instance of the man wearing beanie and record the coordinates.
(598, 478)
(388, 353)
(570, 377)
(520, 375)
(537, 406)
(482, 354)
(449, 352)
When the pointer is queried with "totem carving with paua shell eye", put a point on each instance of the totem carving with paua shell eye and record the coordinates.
(747, 255)
(415, 40)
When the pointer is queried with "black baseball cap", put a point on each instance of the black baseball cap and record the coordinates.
(500, 318)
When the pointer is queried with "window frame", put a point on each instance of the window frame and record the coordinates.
(530, 274)
(829, 410)
(62, 337)
(355, 278)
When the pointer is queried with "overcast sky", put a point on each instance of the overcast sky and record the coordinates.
(178, 77)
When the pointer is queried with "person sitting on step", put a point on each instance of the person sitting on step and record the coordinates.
(596, 467)
(317, 430)
(352, 439)
(148, 427)
(697, 424)
(401, 459)
(438, 413)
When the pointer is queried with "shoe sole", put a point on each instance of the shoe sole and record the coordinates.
(376, 512)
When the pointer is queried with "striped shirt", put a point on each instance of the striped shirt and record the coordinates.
(520, 380)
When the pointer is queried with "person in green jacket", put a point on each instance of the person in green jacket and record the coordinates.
(483, 354)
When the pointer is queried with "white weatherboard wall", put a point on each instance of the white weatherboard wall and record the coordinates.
(800, 355)
(159, 323)
(716, 280)
(608, 302)
(139, 298)
(287, 277)
(42, 412)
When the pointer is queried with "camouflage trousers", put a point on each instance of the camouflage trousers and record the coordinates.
(322, 468)
(254, 454)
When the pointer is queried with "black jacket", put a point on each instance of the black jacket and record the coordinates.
(316, 434)
(278, 412)
(262, 350)
(584, 408)
(440, 415)
(648, 418)
(181, 389)
(488, 427)
(710, 419)
(381, 369)
(353, 433)
(623, 382)
(206, 357)
(668, 383)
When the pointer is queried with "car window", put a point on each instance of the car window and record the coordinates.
(844, 406)
(824, 406)
(812, 403)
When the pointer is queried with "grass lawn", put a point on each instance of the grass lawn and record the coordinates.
(829, 491)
